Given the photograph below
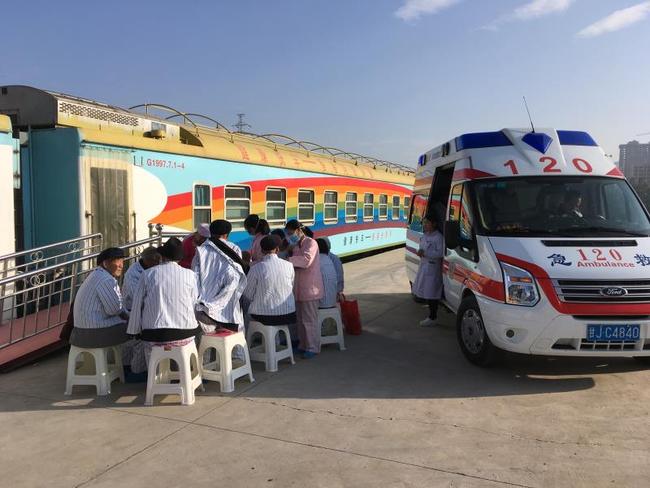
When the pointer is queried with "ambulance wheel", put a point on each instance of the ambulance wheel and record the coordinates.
(472, 336)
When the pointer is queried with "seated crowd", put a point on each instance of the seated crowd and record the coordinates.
(175, 293)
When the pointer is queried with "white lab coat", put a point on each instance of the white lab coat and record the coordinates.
(428, 281)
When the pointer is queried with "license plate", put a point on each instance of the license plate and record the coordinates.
(613, 333)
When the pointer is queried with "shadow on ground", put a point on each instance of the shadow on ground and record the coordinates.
(392, 359)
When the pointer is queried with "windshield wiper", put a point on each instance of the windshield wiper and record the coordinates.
(595, 228)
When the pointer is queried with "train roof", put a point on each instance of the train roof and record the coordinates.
(107, 124)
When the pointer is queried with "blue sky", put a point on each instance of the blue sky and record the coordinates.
(387, 78)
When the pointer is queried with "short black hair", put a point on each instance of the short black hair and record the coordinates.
(293, 224)
(262, 227)
(251, 221)
(323, 247)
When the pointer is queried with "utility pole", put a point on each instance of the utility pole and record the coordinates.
(241, 125)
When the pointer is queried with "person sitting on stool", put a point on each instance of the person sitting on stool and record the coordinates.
(269, 287)
(99, 317)
(163, 305)
(222, 281)
(332, 276)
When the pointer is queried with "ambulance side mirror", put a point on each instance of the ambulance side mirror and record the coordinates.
(452, 234)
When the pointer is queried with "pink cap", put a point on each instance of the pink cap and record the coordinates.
(204, 230)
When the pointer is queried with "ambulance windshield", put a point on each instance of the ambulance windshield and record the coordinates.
(559, 206)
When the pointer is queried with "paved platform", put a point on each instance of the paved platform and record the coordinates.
(399, 408)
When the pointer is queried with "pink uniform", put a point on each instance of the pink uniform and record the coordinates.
(308, 290)
(256, 249)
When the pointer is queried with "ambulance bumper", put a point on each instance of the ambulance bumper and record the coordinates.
(541, 330)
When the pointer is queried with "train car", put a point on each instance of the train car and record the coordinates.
(89, 167)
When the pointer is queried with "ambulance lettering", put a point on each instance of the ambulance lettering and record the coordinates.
(550, 165)
(597, 258)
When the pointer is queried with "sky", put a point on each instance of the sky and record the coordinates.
(385, 78)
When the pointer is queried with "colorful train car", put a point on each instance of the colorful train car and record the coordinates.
(89, 167)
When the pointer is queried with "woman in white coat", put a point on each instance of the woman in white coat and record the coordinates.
(428, 281)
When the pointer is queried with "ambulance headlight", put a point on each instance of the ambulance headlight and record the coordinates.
(520, 286)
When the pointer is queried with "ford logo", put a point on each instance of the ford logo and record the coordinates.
(613, 291)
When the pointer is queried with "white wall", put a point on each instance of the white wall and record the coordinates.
(7, 237)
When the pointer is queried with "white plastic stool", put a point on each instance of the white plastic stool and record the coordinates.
(333, 313)
(223, 342)
(188, 374)
(268, 352)
(105, 372)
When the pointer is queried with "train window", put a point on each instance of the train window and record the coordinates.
(368, 206)
(306, 206)
(383, 207)
(407, 205)
(351, 207)
(202, 212)
(238, 204)
(331, 207)
(276, 206)
(395, 215)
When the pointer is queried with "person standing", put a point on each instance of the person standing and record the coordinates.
(99, 316)
(428, 281)
(308, 287)
(269, 287)
(262, 230)
(222, 281)
(163, 305)
(191, 242)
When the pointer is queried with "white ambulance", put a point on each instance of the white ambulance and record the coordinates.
(547, 245)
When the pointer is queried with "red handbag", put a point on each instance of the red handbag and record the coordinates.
(350, 315)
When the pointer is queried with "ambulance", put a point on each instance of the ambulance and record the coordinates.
(547, 245)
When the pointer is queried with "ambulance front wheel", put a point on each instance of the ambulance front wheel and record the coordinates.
(472, 336)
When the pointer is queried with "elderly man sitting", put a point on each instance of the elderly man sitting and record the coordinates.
(222, 280)
(269, 287)
(99, 317)
(163, 305)
(148, 259)
(133, 351)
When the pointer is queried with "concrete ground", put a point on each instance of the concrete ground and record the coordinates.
(401, 407)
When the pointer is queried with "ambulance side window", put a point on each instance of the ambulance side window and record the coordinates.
(418, 211)
(460, 212)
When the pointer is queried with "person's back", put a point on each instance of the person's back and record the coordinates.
(270, 291)
(166, 299)
(330, 282)
(222, 280)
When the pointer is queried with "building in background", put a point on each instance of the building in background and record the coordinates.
(634, 161)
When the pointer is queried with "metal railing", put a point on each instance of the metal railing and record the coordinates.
(40, 257)
(18, 263)
(37, 300)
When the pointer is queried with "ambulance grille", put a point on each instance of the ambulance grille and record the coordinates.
(608, 345)
(594, 291)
